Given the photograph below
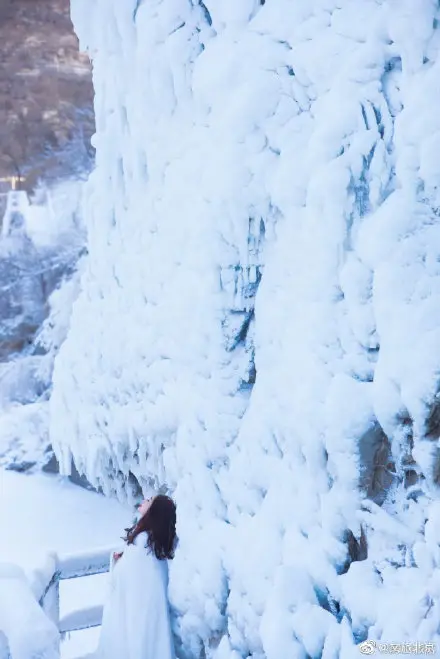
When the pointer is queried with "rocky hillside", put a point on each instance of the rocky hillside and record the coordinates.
(46, 121)
(46, 95)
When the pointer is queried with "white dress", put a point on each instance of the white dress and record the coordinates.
(136, 621)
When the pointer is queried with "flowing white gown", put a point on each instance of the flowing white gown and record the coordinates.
(136, 620)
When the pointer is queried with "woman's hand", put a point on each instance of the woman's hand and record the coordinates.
(117, 555)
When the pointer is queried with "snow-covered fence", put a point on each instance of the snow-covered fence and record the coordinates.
(30, 621)
(73, 566)
(25, 631)
(4, 646)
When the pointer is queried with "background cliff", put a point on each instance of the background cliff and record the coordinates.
(46, 94)
(46, 122)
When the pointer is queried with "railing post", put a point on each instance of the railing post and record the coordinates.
(25, 629)
(4, 647)
(51, 603)
(45, 589)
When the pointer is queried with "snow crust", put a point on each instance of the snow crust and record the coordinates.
(259, 324)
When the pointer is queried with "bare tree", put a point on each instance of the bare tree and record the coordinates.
(46, 110)
(17, 145)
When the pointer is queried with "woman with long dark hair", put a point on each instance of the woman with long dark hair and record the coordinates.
(136, 622)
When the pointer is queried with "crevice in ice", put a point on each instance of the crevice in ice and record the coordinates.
(389, 85)
(176, 29)
(377, 468)
(243, 330)
(285, 43)
(364, 116)
(134, 485)
(328, 602)
(357, 547)
(206, 13)
(258, 5)
(378, 115)
(402, 445)
(433, 420)
(240, 283)
(360, 189)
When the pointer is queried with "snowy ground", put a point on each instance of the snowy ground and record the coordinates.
(41, 513)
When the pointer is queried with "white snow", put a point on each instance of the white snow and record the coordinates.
(25, 382)
(17, 204)
(55, 214)
(46, 255)
(28, 631)
(40, 515)
(65, 518)
(296, 141)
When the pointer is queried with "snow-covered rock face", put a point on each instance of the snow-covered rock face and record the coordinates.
(259, 327)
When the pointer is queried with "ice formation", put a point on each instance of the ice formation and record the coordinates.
(41, 245)
(259, 323)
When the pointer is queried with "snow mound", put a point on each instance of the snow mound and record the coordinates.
(28, 630)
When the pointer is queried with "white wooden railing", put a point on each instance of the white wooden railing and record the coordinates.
(74, 566)
(46, 589)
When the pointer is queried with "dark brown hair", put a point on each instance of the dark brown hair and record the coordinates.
(159, 522)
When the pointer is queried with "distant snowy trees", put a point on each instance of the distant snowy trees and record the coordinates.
(32, 149)
(46, 104)
(39, 260)
(29, 274)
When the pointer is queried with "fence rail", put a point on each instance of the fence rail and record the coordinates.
(46, 591)
(75, 566)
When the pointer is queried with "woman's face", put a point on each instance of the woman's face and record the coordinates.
(145, 505)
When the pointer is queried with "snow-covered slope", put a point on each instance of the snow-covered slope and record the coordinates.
(40, 260)
(259, 328)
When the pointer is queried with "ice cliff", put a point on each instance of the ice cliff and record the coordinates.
(259, 323)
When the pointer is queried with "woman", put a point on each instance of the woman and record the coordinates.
(136, 622)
